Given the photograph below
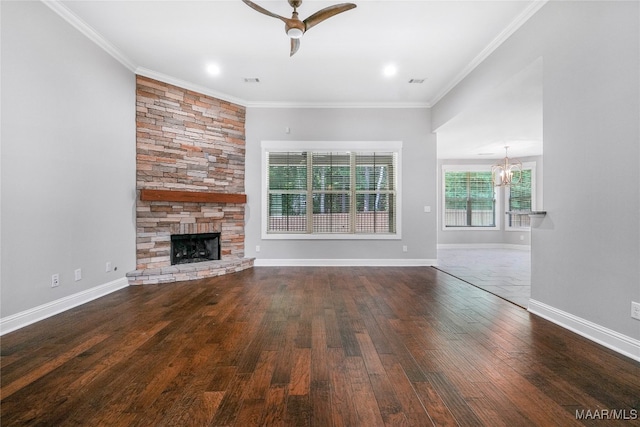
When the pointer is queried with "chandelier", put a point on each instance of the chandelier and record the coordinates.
(507, 171)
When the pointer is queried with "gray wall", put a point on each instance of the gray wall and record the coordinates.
(411, 126)
(488, 237)
(585, 253)
(68, 159)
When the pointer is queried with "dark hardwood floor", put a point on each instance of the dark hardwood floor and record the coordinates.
(311, 346)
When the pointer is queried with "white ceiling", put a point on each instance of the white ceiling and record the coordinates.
(511, 116)
(339, 63)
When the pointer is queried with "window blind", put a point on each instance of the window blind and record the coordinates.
(348, 192)
(469, 199)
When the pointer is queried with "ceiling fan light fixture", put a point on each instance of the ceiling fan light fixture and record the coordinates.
(295, 33)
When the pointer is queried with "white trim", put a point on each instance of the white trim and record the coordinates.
(484, 246)
(331, 145)
(276, 262)
(367, 146)
(330, 236)
(41, 312)
(495, 43)
(613, 340)
(354, 105)
(88, 31)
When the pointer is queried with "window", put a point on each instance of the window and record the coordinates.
(519, 197)
(469, 199)
(328, 193)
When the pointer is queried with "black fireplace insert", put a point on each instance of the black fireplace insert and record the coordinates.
(189, 248)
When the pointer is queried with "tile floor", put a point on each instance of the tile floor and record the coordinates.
(503, 272)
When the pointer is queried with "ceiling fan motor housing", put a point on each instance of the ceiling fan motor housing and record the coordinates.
(294, 27)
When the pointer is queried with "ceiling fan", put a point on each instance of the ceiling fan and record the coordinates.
(294, 27)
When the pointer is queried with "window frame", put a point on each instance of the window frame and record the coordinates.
(331, 146)
(497, 195)
(507, 195)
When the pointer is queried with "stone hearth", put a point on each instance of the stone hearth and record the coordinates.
(181, 272)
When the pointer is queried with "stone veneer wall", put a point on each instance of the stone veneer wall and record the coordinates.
(190, 142)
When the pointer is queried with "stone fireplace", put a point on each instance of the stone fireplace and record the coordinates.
(190, 178)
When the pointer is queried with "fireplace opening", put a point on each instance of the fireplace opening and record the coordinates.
(189, 248)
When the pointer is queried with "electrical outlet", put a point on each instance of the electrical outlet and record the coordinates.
(55, 280)
(405, 249)
(635, 310)
(107, 268)
(78, 274)
(257, 248)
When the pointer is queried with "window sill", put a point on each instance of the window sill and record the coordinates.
(470, 228)
(328, 236)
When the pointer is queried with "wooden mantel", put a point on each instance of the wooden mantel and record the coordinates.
(190, 196)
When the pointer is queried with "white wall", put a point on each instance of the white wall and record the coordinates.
(411, 126)
(68, 161)
(586, 251)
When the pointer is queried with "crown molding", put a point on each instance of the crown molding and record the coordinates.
(491, 47)
(354, 105)
(89, 32)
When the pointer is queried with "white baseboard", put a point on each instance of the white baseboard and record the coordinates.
(344, 262)
(484, 246)
(613, 340)
(33, 315)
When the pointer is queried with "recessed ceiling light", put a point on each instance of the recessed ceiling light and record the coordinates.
(214, 69)
(390, 70)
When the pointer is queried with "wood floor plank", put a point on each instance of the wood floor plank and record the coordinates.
(434, 405)
(407, 396)
(274, 409)
(320, 401)
(321, 346)
(344, 412)
(48, 366)
(260, 379)
(299, 384)
(363, 395)
(319, 365)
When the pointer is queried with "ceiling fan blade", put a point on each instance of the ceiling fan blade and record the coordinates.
(264, 11)
(325, 13)
(295, 45)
